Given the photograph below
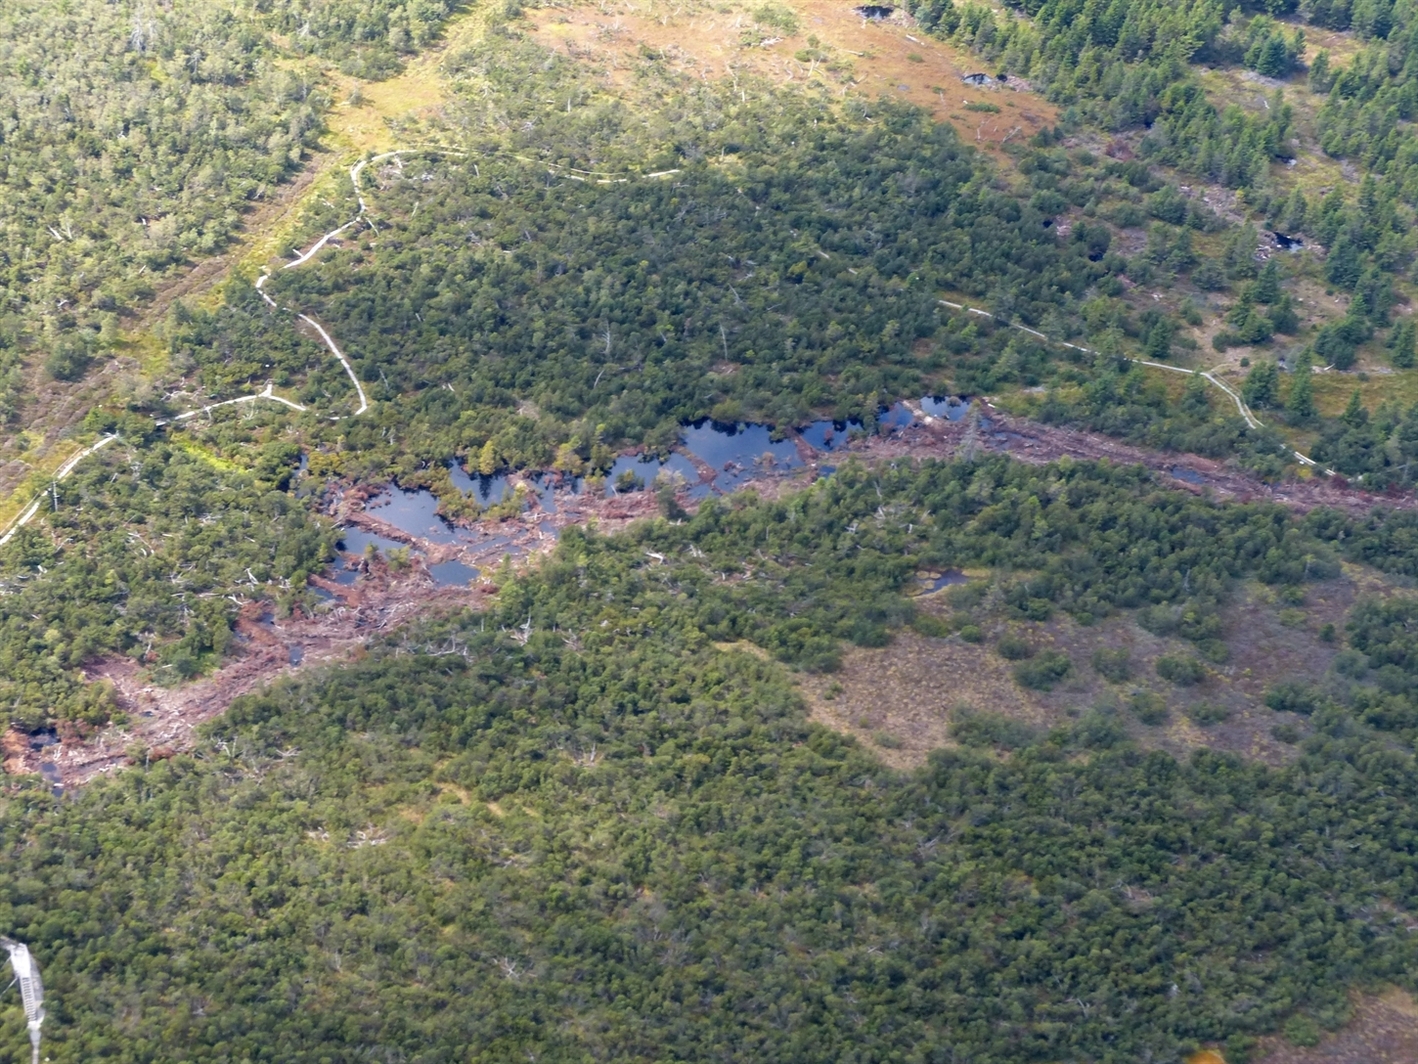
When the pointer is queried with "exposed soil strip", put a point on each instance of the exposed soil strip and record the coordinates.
(162, 719)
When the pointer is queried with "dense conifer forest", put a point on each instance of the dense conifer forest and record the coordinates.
(600, 806)
(575, 827)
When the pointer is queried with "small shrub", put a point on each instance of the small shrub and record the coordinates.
(982, 105)
(886, 740)
(1301, 1031)
(966, 596)
(990, 729)
(1214, 651)
(778, 17)
(929, 624)
(1099, 730)
(1207, 713)
(1292, 696)
(971, 633)
(1184, 672)
(1286, 733)
(1044, 670)
(1014, 647)
(1111, 664)
(1160, 620)
(1351, 663)
(1148, 707)
(69, 362)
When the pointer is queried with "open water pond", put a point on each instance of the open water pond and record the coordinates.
(736, 451)
(635, 472)
(950, 407)
(414, 512)
(357, 541)
(937, 581)
(488, 490)
(544, 484)
(452, 574)
(831, 435)
(345, 576)
(1191, 476)
(895, 416)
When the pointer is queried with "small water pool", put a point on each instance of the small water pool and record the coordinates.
(357, 541)
(930, 582)
(414, 512)
(736, 452)
(949, 407)
(831, 435)
(895, 416)
(639, 472)
(452, 573)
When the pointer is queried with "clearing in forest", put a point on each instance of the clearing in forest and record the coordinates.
(806, 42)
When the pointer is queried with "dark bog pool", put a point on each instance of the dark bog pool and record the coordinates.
(636, 472)
(895, 416)
(344, 575)
(488, 490)
(831, 435)
(357, 540)
(452, 574)
(950, 407)
(1191, 476)
(544, 484)
(949, 578)
(736, 452)
(414, 512)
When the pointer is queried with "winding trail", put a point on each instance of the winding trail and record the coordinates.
(362, 217)
(1204, 374)
(32, 510)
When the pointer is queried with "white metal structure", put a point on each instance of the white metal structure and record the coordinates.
(31, 989)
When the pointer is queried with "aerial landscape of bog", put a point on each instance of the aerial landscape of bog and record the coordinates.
(709, 530)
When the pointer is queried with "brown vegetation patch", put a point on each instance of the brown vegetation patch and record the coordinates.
(852, 55)
(1384, 1030)
(900, 700)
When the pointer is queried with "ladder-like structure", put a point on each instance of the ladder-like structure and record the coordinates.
(31, 989)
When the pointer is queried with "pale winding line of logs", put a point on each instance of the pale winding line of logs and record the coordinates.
(361, 215)
(1206, 375)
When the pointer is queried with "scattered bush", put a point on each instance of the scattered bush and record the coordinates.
(1113, 664)
(1148, 707)
(990, 729)
(1207, 713)
(1292, 696)
(1014, 647)
(1044, 670)
(1184, 672)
